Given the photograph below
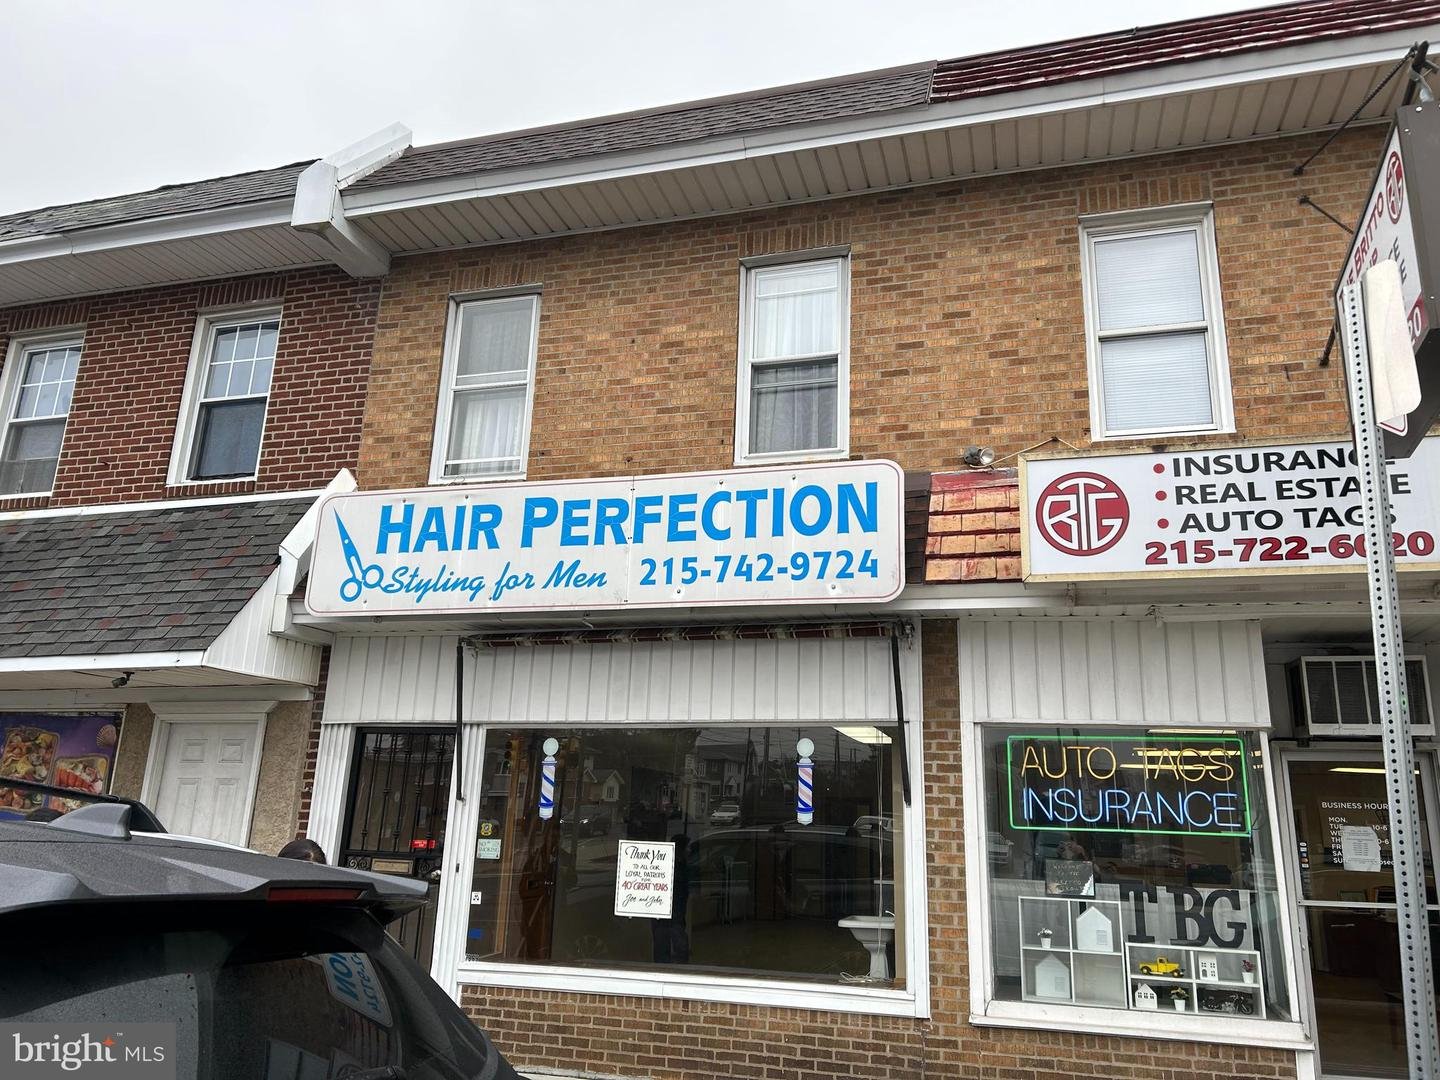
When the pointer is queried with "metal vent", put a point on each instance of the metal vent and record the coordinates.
(1339, 696)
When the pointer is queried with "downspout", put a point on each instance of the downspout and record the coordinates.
(319, 211)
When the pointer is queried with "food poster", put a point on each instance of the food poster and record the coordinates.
(71, 750)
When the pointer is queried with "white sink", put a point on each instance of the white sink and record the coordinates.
(875, 932)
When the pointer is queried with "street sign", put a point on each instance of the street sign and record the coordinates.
(1401, 221)
(1392, 695)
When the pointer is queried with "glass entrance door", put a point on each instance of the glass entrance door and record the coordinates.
(1347, 906)
(399, 799)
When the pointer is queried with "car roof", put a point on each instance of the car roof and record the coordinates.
(90, 856)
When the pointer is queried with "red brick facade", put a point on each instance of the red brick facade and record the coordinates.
(123, 418)
(974, 532)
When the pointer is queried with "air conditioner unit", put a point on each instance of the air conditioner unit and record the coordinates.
(1339, 698)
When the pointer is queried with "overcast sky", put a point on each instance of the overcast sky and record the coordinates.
(104, 97)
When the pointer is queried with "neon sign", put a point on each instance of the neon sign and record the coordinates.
(1187, 784)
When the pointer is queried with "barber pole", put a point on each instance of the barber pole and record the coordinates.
(547, 780)
(805, 786)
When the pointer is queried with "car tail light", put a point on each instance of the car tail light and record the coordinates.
(311, 894)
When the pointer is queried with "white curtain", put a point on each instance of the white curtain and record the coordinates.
(796, 313)
(485, 431)
(492, 374)
(793, 406)
(494, 339)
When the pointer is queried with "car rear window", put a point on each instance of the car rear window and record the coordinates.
(283, 993)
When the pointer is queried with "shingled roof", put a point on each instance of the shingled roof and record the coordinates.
(1183, 42)
(166, 580)
(242, 189)
(832, 99)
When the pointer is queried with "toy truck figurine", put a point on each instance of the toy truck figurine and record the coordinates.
(1162, 966)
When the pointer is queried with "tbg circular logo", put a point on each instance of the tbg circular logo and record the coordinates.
(1394, 187)
(1082, 513)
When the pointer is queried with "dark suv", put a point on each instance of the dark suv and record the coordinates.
(267, 968)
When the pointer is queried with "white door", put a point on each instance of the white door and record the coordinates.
(207, 778)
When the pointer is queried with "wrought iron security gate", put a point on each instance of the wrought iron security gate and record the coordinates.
(395, 821)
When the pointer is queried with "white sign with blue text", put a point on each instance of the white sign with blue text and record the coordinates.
(824, 533)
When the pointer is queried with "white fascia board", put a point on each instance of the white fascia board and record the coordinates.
(151, 231)
(162, 504)
(1243, 69)
(319, 213)
(109, 662)
(130, 695)
(360, 159)
(295, 553)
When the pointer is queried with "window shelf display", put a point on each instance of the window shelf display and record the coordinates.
(1070, 950)
(1188, 979)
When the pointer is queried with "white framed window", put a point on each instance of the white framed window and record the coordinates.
(227, 394)
(35, 393)
(487, 386)
(1154, 328)
(793, 399)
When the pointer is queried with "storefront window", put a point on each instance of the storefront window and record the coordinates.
(681, 848)
(1132, 869)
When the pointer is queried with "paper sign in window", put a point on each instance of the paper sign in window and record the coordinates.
(645, 880)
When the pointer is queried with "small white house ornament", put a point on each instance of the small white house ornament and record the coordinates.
(1052, 979)
(1207, 968)
(1145, 997)
(1094, 932)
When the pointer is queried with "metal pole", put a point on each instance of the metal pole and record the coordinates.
(1406, 842)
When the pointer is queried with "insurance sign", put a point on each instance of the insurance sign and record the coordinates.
(1254, 509)
(828, 533)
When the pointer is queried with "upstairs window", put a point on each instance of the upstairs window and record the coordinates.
(229, 392)
(1156, 337)
(794, 393)
(483, 422)
(35, 406)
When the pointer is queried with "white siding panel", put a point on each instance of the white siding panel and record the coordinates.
(246, 645)
(410, 679)
(1115, 671)
(332, 775)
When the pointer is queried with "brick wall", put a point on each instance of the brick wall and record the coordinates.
(966, 322)
(312, 748)
(132, 373)
(682, 1040)
(974, 527)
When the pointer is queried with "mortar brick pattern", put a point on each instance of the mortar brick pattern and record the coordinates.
(966, 325)
(974, 530)
(689, 1040)
(132, 374)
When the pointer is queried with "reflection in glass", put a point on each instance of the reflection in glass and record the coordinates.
(754, 892)
(1203, 902)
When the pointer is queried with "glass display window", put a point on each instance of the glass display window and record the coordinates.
(686, 847)
(1132, 870)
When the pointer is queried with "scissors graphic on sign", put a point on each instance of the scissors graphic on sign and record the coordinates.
(361, 576)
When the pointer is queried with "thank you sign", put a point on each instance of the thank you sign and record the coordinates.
(1245, 510)
(1190, 784)
(828, 533)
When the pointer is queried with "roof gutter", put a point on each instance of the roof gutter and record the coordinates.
(319, 212)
